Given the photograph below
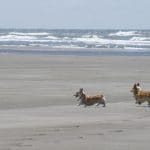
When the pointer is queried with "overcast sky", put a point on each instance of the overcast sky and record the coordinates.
(93, 14)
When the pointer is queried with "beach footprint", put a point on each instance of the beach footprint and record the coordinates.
(118, 131)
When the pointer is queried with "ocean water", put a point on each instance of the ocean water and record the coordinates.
(75, 42)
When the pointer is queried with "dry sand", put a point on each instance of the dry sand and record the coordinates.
(38, 111)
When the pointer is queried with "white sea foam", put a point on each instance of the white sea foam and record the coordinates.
(124, 33)
(12, 45)
(140, 38)
(90, 36)
(127, 42)
(16, 38)
(30, 33)
(90, 40)
(52, 37)
(103, 41)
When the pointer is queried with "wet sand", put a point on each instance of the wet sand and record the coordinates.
(38, 110)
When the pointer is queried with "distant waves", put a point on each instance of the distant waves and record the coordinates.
(95, 41)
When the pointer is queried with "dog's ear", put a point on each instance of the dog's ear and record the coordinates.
(134, 86)
(81, 89)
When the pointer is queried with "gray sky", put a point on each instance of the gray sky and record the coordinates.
(93, 14)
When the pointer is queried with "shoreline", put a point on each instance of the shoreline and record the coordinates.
(75, 52)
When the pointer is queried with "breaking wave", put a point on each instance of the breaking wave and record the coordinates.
(123, 39)
(124, 33)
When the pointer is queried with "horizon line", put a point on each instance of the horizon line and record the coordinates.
(20, 28)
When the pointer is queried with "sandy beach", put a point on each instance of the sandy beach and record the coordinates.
(38, 110)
